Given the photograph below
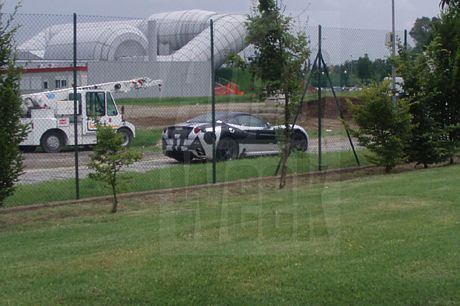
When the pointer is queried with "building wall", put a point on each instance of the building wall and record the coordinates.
(180, 79)
(36, 81)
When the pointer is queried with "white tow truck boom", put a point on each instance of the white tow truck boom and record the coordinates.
(50, 114)
(42, 99)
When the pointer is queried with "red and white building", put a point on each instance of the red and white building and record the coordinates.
(50, 77)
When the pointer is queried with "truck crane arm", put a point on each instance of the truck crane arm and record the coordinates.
(43, 99)
(124, 86)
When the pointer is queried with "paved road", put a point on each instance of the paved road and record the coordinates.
(40, 167)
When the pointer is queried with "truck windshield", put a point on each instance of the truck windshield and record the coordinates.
(111, 107)
(95, 104)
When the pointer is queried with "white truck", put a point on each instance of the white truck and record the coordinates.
(50, 115)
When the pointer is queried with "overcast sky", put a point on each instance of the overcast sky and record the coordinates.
(362, 14)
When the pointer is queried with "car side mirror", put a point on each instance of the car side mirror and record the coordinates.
(123, 113)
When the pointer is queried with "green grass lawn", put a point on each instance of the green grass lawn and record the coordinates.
(178, 175)
(147, 140)
(383, 240)
(174, 101)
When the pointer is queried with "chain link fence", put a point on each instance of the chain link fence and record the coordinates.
(176, 49)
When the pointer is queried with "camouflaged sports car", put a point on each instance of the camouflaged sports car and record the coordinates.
(237, 135)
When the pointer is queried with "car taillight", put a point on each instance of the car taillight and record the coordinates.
(196, 130)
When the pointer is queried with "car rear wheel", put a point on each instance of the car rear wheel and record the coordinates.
(299, 142)
(227, 149)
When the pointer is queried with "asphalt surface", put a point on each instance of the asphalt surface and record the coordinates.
(41, 167)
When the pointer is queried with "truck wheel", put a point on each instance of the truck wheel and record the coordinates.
(127, 137)
(52, 142)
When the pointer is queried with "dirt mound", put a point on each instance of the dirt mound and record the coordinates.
(162, 116)
(330, 109)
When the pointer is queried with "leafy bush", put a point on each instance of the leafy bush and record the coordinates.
(383, 128)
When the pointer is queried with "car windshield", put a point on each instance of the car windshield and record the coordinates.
(207, 118)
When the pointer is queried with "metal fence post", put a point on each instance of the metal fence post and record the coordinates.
(75, 106)
(393, 52)
(405, 40)
(320, 107)
(213, 102)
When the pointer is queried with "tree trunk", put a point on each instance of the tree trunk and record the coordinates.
(388, 169)
(115, 199)
(287, 142)
(284, 161)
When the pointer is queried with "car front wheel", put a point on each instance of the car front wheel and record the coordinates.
(299, 142)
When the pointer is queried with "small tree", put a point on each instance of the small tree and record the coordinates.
(279, 57)
(432, 85)
(12, 132)
(364, 68)
(422, 32)
(429, 142)
(109, 158)
(443, 67)
(383, 128)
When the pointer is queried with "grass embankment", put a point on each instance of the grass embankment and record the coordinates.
(179, 175)
(387, 240)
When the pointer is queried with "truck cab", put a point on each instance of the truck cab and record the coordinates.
(100, 106)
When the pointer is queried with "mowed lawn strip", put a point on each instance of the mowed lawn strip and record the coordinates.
(386, 240)
(177, 175)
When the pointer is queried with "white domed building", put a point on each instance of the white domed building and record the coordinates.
(173, 46)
